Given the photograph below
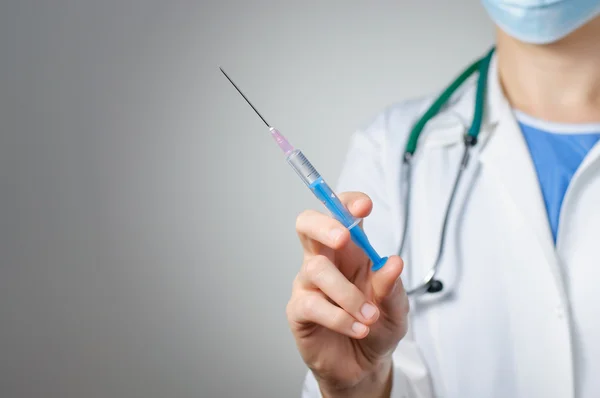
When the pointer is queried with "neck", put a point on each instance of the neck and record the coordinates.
(558, 82)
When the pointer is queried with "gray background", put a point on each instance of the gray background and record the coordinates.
(146, 219)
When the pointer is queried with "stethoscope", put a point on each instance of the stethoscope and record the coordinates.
(430, 284)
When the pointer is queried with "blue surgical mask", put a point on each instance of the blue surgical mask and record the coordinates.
(541, 21)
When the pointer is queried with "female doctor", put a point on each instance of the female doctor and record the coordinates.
(513, 308)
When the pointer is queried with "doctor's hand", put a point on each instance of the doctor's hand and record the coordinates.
(345, 318)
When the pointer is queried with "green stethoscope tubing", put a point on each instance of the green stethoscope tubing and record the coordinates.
(429, 283)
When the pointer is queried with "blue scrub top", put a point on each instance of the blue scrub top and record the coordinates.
(557, 151)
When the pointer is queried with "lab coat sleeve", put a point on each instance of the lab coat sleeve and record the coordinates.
(364, 171)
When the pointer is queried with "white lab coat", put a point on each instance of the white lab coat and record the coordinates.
(518, 317)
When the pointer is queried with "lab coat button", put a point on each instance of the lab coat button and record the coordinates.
(560, 313)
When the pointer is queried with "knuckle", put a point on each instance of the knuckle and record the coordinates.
(290, 310)
(297, 282)
(322, 230)
(292, 307)
(348, 297)
(342, 240)
(309, 307)
(300, 218)
(315, 266)
(338, 321)
(320, 366)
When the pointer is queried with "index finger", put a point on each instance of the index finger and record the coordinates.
(358, 203)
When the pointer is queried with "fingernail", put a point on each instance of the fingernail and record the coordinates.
(334, 234)
(358, 328)
(368, 310)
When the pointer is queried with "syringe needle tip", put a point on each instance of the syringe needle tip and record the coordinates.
(242, 94)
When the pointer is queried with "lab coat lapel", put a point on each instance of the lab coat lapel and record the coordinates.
(533, 272)
(506, 156)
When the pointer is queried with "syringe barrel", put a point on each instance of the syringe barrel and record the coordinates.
(325, 194)
(302, 166)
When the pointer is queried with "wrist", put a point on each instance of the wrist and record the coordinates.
(376, 384)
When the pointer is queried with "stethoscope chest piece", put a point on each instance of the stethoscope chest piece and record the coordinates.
(435, 286)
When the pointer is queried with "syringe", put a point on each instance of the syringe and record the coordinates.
(320, 189)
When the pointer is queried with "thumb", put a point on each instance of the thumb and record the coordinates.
(385, 279)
